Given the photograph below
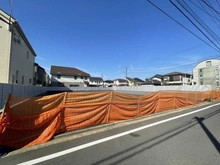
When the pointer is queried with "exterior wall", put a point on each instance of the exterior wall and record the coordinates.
(118, 83)
(95, 83)
(203, 64)
(40, 76)
(68, 81)
(177, 79)
(210, 76)
(207, 73)
(22, 61)
(5, 46)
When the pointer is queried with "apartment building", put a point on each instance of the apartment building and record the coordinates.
(207, 73)
(16, 52)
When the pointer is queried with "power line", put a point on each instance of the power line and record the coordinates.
(193, 23)
(210, 6)
(182, 25)
(201, 23)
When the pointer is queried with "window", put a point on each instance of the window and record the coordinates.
(58, 76)
(30, 80)
(81, 77)
(208, 63)
(85, 78)
(13, 79)
(27, 54)
(22, 79)
(75, 77)
(18, 41)
(60, 84)
(16, 81)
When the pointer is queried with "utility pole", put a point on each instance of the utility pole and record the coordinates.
(126, 71)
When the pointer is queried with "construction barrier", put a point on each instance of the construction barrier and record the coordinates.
(30, 121)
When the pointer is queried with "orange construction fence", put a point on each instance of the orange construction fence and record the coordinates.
(30, 121)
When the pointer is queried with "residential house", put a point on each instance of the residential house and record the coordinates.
(40, 76)
(108, 83)
(138, 82)
(69, 77)
(151, 82)
(207, 73)
(95, 82)
(158, 78)
(120, 82)
(177, 78)
(16, 52)
(130, 81)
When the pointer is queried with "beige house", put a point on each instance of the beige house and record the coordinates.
(17, 54)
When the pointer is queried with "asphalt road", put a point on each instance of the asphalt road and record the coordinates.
(186, 137)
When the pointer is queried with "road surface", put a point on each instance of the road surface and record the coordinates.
(187, 137)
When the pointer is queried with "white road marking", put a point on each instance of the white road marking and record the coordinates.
(74, 149)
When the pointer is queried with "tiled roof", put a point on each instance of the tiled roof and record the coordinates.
(176, 73)
(99, 79)
(129, 79)
(67, 71)
(138, 80)
(121, 80)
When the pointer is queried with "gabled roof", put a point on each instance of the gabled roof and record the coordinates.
(67, 71)
(138, 80)
(129, 79)
(99, 79)
(157, 76)
(12, 21)
(121, 80)
(176, 73)
(109, 81)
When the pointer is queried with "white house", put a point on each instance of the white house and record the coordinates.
(17, 54)
(120, 82)
(96, 81)
(177, 78)
(69, 77)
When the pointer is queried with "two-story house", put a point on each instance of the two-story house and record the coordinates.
(95, 82)
(16, 52)
(120, 82)
(40, 76)
(138, 82)
(130, 81)
(177, 78)
(108, 83)
(69, 77)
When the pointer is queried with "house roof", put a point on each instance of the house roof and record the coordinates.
(108, 81)
(138, 80)
(67, 71)
(176, 73)
(121, 80)
(99, 79)
(157, 76)
(12, 21)
(129, 79)
(148, 82)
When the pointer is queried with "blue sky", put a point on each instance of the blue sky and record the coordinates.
(104, 37)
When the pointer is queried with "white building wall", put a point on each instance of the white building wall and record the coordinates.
(203, 64)
(5, 46)
(22, 61)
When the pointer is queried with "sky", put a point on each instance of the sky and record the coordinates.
(107, 37)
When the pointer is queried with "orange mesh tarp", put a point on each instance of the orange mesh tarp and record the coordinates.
(31, 121)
